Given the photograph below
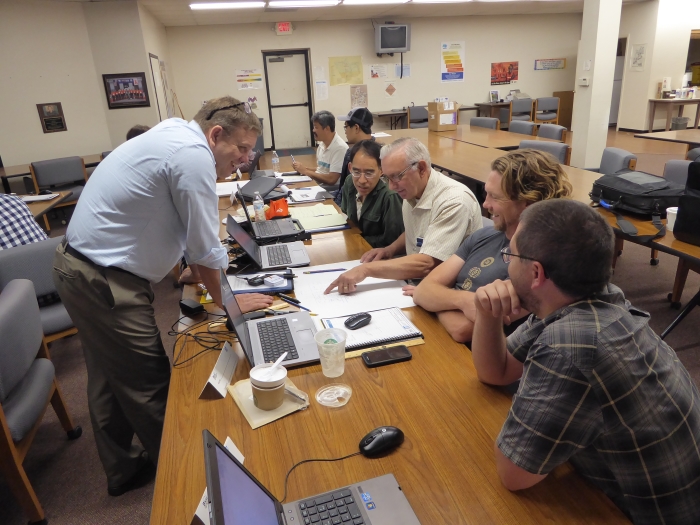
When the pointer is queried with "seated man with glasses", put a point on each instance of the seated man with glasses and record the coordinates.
(598, 388)
(517, 179)
(367, 201)
(358, 126)
(438, 214)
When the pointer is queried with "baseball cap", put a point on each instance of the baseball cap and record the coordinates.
(361, 116)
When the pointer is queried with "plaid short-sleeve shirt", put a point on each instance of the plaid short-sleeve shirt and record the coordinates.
(601, 389)
(17, 224)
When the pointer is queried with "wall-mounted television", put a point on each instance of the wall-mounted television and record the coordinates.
(392, 38)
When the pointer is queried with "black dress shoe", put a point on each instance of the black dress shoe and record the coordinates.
(142, 477)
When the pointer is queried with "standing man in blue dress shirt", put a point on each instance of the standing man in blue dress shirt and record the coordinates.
(151, 200)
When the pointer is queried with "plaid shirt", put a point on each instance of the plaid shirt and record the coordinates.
(17, 224)
(600, 388)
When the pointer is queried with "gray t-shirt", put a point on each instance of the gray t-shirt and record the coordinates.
(483, 264)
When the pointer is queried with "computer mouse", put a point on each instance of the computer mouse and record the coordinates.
(45, 192)
(358, 321)
(381, 441)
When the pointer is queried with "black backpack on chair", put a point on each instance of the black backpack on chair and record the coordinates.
(687, 226)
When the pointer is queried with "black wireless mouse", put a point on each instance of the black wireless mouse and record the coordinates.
(358, 321)
(381, 441)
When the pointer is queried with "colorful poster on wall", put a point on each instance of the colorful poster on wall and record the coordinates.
(249, 78)
(377, 71)
(452, 62)
(345, 70)
(544, 64)
(358, 96)
(504, 73)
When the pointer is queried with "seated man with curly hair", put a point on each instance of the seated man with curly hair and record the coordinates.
(517, 180)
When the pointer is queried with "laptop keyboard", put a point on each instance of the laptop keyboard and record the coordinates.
(268, 228)
(278, 255)
(276, 339)
(334, 508)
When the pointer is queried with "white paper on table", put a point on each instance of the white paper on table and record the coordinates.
(371, 294)
(292, 179)
(224, 189)
(380, 134)
(223, 371)
(203, 507)
(236, 218)
(313, 211)
(36, 198)
(306, 194)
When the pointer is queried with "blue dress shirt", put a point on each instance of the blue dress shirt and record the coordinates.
(151, 200)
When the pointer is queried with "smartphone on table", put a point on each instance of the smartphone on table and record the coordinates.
(386, 356)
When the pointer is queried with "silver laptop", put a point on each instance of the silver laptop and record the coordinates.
(264, 340)
(267, 230)
(282, 255)
(237, 497)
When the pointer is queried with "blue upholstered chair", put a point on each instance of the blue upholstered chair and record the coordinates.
(552, 131)
(34, 261)
(559, 150)
(27, 386)
(484, 122)
(547, 110)
(522, 127)
(418, 117)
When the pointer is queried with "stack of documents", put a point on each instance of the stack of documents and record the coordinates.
(322, 217)
(224, 189)
(37, 198)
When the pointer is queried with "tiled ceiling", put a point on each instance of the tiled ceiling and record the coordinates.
(178, 12)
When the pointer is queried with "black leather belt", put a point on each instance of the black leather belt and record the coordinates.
(75, 253)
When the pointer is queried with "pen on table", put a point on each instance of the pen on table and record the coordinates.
(289, 299)
(293, 160)
(324, 271)
(297, 305)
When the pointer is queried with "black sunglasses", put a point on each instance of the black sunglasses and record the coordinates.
(245, 105)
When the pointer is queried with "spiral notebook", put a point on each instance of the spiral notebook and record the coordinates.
(386, 326)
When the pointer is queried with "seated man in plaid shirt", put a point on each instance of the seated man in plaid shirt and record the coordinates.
(17, 224)
(598, 387)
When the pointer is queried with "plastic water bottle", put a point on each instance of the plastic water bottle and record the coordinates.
(275, 162)
(259, 207)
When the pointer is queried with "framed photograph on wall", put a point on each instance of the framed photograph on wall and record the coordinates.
(126, 90)
(51, 117)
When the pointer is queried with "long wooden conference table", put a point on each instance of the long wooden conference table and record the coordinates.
(446, 465)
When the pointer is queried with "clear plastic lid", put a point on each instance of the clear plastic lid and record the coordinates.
(334, 395)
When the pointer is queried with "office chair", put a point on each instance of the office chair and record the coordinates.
(614, 160)
(65, 174)
(104, 154)
(27, 386)
(485, 122)
(520, 109)
(522, 127)
(552, 131)
(560, 151)
(34, 261)
(693, 154)
(547, 110)
(417, 117)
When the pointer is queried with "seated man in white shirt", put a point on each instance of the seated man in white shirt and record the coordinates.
(438, 214)
(329, 155)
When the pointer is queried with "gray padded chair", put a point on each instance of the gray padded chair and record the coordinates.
(485, 122)
(552, 131)
(104, 154)
(693, 154)
(418, 117)
(559, 150)
(522, 127)
(614, 160)
(65, 174)
(547, 110)
(520, 109)
(34, 261)
(677, 171)
(27, 385)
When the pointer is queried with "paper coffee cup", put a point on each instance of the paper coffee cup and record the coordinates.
(268, 390)
(671, 218)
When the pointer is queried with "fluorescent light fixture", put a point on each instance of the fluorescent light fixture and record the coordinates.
(373, 2)
(440, 1)
(228, 5)
(291, 4)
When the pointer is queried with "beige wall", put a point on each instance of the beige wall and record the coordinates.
(156, 42)
(204, 59)
(45, 56)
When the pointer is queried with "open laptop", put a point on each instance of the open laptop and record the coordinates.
(267, 230)
(267, 257)
(264, 340)
(237, 497)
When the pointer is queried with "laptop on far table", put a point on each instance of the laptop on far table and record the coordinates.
(267, 230)
(264, 340)
(237, 497)
(283, 255)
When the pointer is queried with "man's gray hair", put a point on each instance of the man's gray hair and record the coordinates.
(413, 149)
(325, 119)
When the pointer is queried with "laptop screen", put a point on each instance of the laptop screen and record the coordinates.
(241, 201)
(236, 317)
(249, 245)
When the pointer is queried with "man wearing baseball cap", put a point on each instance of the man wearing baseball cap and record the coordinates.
(358, 126)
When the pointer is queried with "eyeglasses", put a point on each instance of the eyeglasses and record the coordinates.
(397, 178)
(368, 174)
(508, 256)
(245, 105)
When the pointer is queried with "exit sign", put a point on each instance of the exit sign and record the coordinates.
(283, 28)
